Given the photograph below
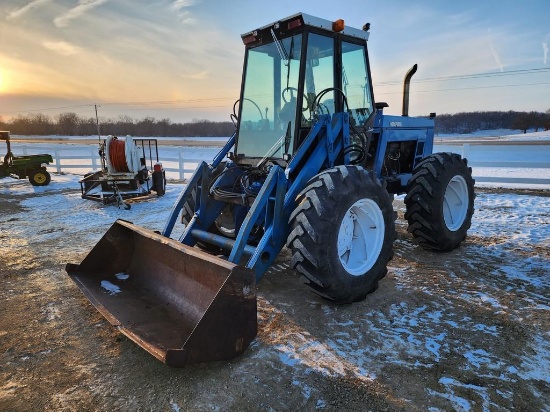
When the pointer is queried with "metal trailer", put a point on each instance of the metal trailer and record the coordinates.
(130, 168)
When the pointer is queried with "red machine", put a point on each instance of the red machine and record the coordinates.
(127, 171)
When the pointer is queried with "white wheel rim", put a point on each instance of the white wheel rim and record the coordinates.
(225, 222)
(455, 203)
(361, 237)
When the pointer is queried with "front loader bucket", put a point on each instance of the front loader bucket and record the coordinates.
(180, 304)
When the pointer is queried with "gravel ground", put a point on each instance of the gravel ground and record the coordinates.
(467, 330)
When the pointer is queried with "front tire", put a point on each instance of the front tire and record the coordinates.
(40, 177)
(440, 201)
(342, 233)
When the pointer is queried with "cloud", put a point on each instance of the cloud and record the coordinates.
(182, 4)
(494, 52)
(197, 76)
(184, 16)
(62, 47)
(19, 12)
(82, 7)
(495, 56)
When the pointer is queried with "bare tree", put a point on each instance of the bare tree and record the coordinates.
(67, 124)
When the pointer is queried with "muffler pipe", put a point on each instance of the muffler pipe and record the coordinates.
(406, 86)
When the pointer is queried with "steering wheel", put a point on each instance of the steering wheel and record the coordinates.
(292, 90)
(248, 100)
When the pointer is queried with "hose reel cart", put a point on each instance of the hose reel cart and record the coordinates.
(127, 171)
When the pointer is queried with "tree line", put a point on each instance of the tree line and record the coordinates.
(472, 121)
(70, 124)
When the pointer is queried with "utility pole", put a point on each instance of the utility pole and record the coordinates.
(97, 123)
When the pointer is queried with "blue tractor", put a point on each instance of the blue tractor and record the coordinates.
(313, 165)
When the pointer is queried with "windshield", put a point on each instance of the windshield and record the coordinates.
(319, 77)
(268, 106)
(355, 82)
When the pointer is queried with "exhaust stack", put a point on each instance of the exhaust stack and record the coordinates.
(406, 85)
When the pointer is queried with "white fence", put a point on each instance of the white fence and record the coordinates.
(81, 159)
(492, 162)
(506, 162)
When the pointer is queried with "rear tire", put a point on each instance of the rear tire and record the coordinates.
(342, 233)
(40, 177)
(440, 201)
(159, 182)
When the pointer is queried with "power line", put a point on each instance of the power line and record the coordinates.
(388, 83)
(164, 108)
(469, 76)
(155, 102)
(470, 88)
(215, 99)
(51, 108)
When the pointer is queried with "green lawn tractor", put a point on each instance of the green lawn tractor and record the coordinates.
(20, 167)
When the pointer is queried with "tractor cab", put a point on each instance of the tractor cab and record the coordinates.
(295, 70)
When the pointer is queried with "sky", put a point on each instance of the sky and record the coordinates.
(182, 59)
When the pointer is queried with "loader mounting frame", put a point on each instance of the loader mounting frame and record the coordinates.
(275, 201)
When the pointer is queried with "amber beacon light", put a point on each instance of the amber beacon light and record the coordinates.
(338, 25)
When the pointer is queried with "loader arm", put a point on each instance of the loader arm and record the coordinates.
(179, 303)
(202, 169)
(273, 204)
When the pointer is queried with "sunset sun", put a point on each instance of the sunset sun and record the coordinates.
(5, 81)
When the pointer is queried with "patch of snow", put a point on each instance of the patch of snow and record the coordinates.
(306, 390)
(287, 359)
(460, 403)
(518, 218)
(477, 357)
(109, 287)
(22, 187)
(491, 330)
(537, 368)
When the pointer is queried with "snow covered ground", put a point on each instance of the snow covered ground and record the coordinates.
(476, 322)
(508, 149)
(466, 331)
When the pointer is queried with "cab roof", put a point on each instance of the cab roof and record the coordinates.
(303, 19)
